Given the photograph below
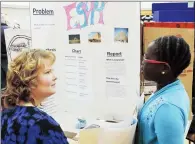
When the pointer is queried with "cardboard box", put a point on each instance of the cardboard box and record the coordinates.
(109, 135)
(109, 132)
(153, 30)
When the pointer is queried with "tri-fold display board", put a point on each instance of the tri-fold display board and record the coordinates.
(97, 46)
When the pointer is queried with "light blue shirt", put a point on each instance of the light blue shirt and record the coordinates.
(163, 118)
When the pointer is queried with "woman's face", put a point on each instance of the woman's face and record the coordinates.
(46, 81)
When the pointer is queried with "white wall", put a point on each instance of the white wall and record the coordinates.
(16, 12)
(15, 4)
(148, 5)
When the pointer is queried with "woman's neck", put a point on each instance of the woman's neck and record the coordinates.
(27, 104)
(33, 102)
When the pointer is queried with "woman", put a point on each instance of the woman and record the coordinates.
(163, 118)
(30, 80)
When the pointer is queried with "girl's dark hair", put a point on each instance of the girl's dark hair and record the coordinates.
(175, 51)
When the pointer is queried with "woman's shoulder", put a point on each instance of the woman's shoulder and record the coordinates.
(27, 115)
(34, 123)
(46, 122)
(41, 117)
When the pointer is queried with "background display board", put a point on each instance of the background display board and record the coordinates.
(97, 45)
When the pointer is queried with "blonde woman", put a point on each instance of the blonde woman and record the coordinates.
(30, 79)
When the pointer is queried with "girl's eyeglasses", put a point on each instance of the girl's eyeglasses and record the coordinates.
(155, 62)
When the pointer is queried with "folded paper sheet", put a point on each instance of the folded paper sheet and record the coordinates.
(71, 141)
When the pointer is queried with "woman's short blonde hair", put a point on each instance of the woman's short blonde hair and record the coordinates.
(22, 73)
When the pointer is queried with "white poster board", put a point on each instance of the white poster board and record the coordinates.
(97, 45)
(16, 40)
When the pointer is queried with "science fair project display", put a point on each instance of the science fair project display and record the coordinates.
(97, 47)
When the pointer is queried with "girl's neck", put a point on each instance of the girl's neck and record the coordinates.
(161, 85)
